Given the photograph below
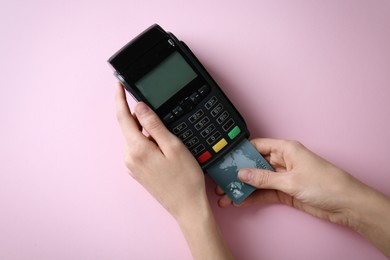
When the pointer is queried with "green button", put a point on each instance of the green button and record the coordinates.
(235, 131)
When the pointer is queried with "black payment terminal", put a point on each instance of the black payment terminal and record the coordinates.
(158, 69)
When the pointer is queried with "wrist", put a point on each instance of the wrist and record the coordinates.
(370, 219)
(359, 199)
(194, 211)
(368, 210)
(202, 233)
(353, 200)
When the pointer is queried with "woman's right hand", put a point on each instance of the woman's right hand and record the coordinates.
(309, 183)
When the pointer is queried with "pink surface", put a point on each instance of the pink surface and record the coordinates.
(316, 71)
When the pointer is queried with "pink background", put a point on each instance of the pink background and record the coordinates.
(315, 71)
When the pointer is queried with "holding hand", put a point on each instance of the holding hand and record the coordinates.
(302, 180)
(309, 183)
(167, 169)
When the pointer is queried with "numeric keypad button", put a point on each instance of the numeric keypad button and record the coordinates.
(213, 138)
(222, 117)
(202, 123)
(210, 103)
(186, 134)
(197, 150)
(193, 141)
(216, 110)
(228, 124)
(180, 128)
(208, 130)
(196, 116)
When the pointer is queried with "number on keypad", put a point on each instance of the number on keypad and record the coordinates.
(212, 101)
(196, 116)
(180, 128)
(216, 110)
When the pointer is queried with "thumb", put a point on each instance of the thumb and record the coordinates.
(153, 125)
(264, 179)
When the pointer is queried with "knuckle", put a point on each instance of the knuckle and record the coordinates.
(135, 155)
(289, 183)
(262, 179)
(153, 124)
(176, 145)
(293, 145)
(129, 161)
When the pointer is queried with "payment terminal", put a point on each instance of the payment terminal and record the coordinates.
(158, 69)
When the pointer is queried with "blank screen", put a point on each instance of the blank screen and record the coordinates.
(166, 79)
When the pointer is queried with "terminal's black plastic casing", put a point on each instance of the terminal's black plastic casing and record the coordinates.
(137, 47)
(149, 48)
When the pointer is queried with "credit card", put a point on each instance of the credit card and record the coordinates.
(225, 171)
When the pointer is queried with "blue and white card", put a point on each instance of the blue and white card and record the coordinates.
(224, 172)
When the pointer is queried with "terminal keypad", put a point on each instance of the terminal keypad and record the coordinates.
(208, 128)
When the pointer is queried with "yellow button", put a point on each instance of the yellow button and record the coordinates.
(221, 144)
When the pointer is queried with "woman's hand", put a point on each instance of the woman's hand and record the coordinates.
(302, 180)
(161, 163)
(166, 168)
(309, 183)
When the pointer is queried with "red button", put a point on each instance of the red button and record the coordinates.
(204, 157)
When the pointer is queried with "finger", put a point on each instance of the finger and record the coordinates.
(154, 126)
(267, 146)
(264, 179)
(126, 121)
(219, 191)
(272, 150)
(224, 201)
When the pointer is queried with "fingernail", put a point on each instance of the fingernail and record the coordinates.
(245, 175)
(141, 108)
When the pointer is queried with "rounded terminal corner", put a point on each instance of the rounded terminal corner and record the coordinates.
(119, 77)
